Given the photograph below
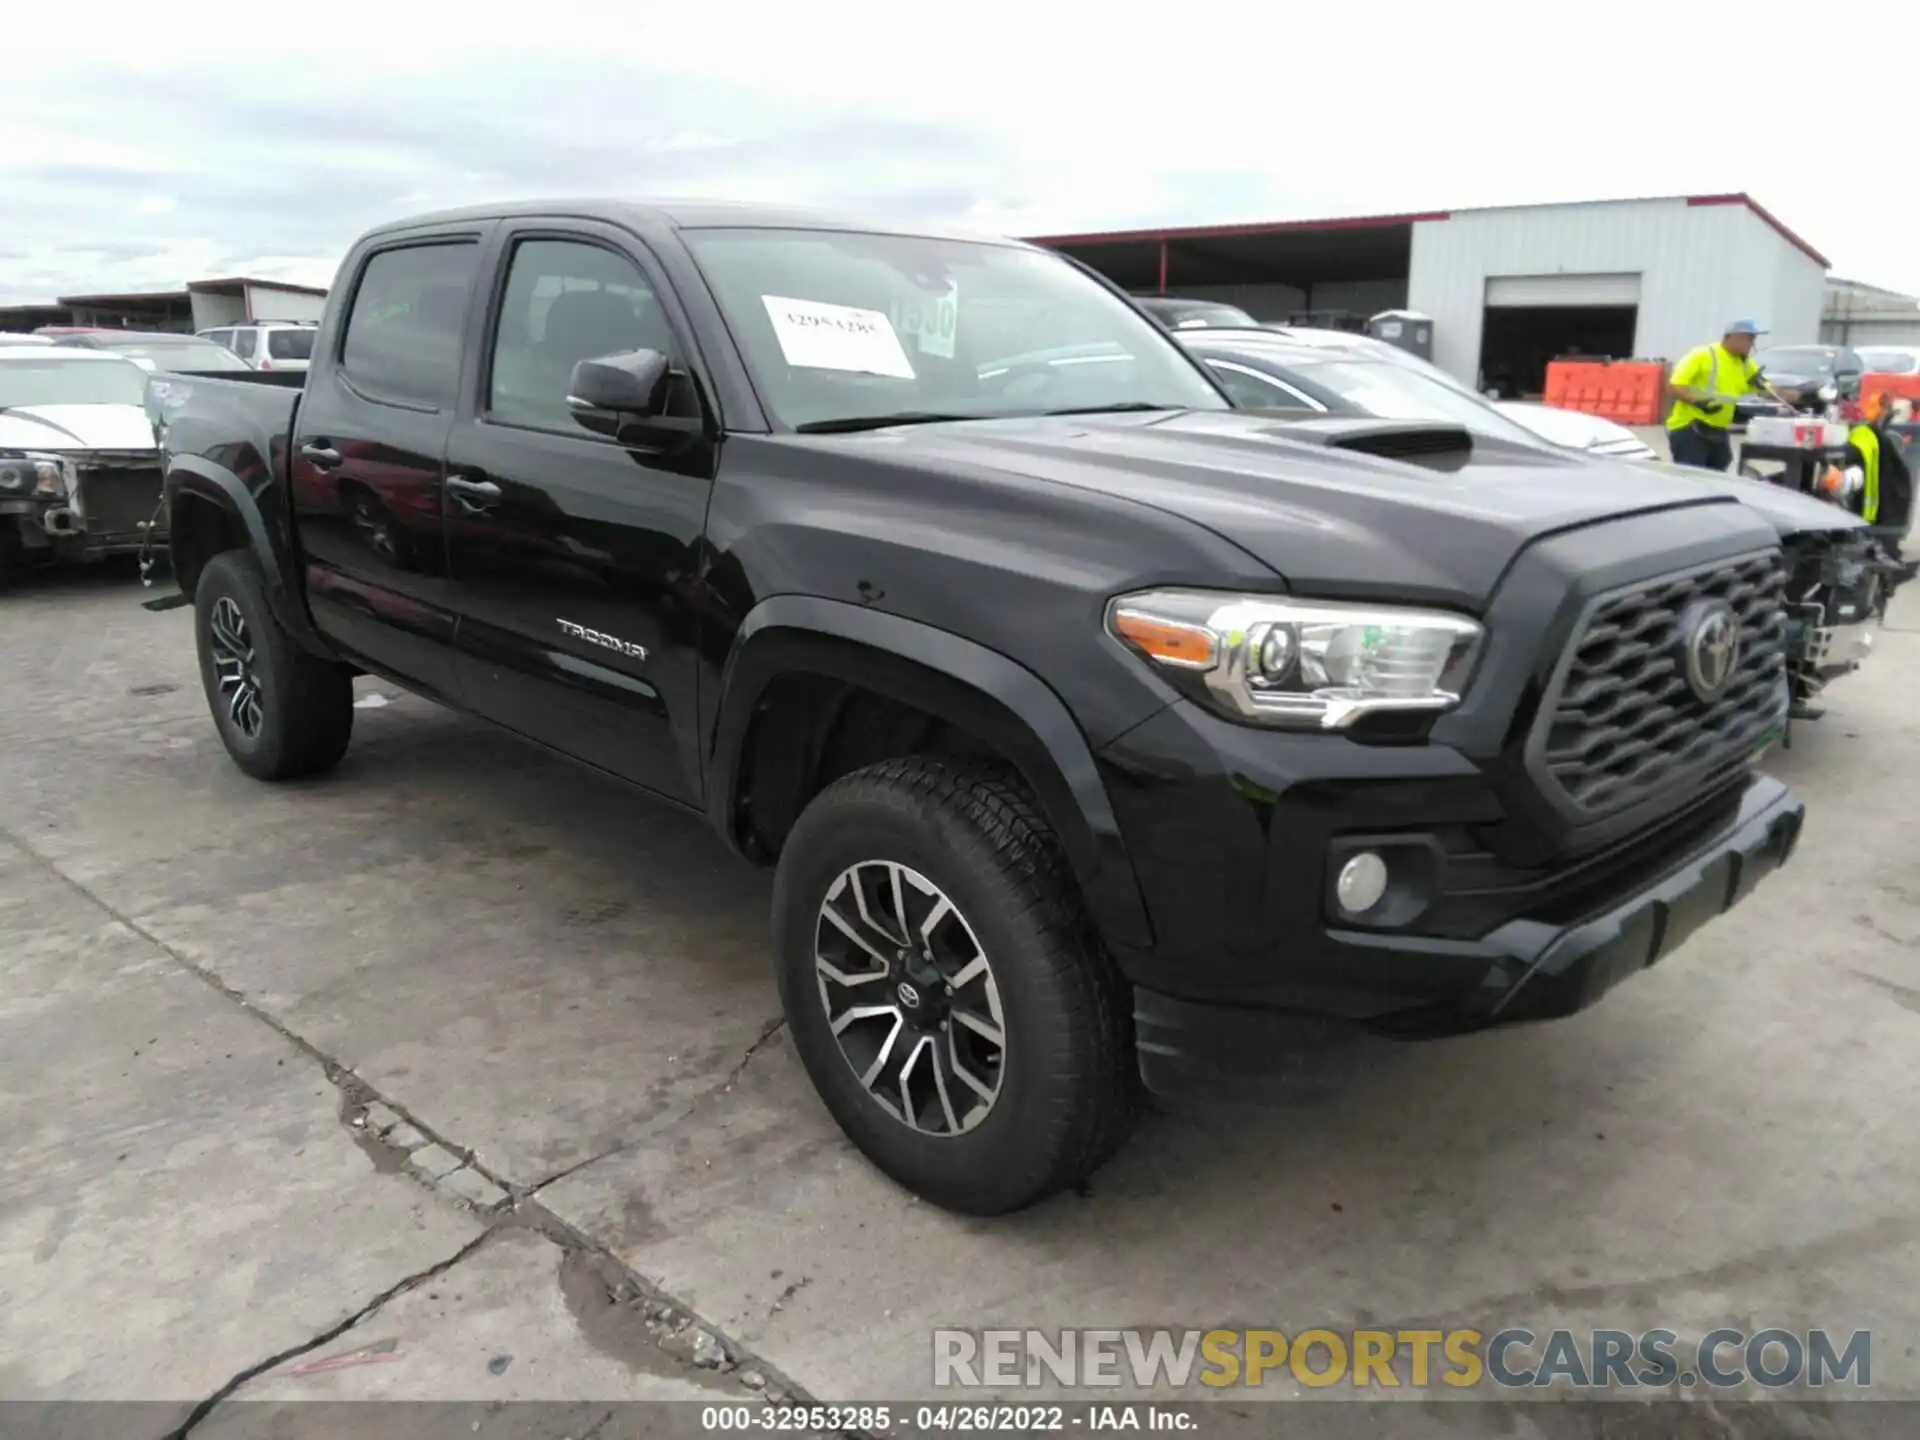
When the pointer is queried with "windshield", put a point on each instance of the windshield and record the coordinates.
(1391, 391)
(63, 380)
(838, 327)
(1798, 360)
(290, 344)
(185, 353)
(1890, 362)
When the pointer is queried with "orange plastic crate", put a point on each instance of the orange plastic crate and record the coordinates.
(1629, 392)
(1899, 387)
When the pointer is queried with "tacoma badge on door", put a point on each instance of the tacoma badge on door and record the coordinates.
(595, 637)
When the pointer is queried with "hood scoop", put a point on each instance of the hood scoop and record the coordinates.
(1437, 445)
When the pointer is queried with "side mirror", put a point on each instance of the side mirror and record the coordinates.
(632, 384)
(627, 397)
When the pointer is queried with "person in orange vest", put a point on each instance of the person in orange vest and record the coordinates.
(1705, 384)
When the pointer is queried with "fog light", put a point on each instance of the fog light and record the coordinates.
(1362, 882)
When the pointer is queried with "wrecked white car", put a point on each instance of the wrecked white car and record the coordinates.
(79, 467)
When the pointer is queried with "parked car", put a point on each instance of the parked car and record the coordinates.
(1086, 721)
(156, 350)
(1805, 377)
(1570, 429)
(1839, 579)
(1178, 314)
(1890, 359)
(12, 339)
(79, 470)
(267, 344)
(1576, 430)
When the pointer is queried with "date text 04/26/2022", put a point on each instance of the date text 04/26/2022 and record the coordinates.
(951, 1419)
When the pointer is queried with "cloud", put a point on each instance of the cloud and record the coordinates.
(260, 140)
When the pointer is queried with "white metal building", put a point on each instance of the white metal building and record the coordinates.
(202, 305)
(1859, 314)
(1508, 288)
(234, 302)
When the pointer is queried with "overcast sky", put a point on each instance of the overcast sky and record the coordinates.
(204, 139)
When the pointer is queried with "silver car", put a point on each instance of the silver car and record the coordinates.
(267, 344)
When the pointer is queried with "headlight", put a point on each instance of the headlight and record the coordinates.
(1828, 391)
(41, 474)
(1303, 664)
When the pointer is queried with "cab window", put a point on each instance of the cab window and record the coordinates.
(565, 301)
(403, 334)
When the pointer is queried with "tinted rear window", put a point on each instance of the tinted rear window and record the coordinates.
(403, 334)
(290, 344)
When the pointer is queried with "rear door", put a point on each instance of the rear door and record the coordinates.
(573, 555)
(369, 453)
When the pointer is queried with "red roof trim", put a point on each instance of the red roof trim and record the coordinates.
(1220, 232)
(1373, 222)
(1742, 198)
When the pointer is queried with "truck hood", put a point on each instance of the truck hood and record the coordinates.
(75, 427)
(1331, 522)
(1788, 511)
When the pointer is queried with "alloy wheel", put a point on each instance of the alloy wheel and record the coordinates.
(910, 997)
(233, 666)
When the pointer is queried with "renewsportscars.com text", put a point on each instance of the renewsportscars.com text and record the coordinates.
(1513, 1358)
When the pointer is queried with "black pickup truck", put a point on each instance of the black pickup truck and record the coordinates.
(1090, 723)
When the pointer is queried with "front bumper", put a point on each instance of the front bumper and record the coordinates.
(1528, 969)
(111, 507)
(58, 530)
(1835, 650)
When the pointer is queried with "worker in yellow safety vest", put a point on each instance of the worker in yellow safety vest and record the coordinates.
(1705, 384)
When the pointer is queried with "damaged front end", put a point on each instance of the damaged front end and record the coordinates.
(77, 504)
(1838, 586)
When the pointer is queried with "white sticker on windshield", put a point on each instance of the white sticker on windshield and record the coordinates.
(933, 323)
(836, 337)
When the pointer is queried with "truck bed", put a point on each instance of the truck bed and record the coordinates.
(237, 421)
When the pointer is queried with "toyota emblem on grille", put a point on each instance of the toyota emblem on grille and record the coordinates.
(1711, 638)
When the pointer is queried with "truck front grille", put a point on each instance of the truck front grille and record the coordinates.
(117, 490)
(1622, 721)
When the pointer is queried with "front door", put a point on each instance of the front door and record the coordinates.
(572, 555)
(367, 459)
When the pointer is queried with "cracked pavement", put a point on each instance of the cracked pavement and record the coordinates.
(458, 1075)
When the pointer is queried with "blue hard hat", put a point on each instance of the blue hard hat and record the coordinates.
(1744, 327)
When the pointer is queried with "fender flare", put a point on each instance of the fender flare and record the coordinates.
(985, 692)
(204, 480)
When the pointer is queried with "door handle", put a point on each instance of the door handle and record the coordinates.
(320, 455)
(475, 495)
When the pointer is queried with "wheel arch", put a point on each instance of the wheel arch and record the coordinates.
(965, 686)
(210, 510)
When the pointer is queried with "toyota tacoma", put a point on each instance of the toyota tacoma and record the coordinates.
(1089, 723)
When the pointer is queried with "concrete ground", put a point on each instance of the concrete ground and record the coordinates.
(457, 1075)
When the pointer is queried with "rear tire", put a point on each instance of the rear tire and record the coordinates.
(997, 944)
(281, 712)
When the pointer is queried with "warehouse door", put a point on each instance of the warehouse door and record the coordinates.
(1532, 319)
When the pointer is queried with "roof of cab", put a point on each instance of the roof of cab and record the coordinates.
(687, 215)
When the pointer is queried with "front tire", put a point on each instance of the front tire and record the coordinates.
(281, 712)
(945, 989)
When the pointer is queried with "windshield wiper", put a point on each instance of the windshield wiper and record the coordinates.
(847, 424)
(1121, 407)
